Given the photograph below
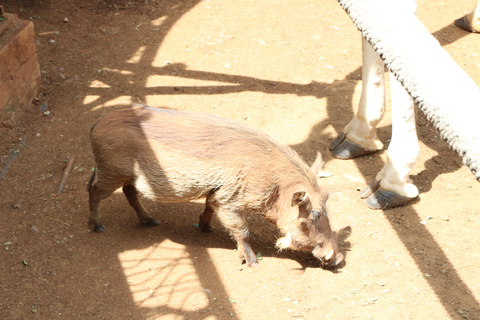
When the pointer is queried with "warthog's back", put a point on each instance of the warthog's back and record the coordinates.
(172, 155)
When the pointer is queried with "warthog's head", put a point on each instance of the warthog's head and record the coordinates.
(311, 230)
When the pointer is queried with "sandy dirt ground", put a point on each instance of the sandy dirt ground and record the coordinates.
(292, 68)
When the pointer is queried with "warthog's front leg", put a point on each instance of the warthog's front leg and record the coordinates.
(235, 222)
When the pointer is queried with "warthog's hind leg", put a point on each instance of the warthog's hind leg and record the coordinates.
(205, 218)
(132, 196)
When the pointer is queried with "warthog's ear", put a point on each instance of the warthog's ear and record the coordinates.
(299, 198)
(318, 164)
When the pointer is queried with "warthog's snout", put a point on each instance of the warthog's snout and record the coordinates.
(327, 257)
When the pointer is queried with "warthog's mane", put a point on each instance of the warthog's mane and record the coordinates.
(217, 137)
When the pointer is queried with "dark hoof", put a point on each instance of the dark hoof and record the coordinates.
(247, 255)
(151, 222)
(99, 228)
(370, 189)
(206, 228)
(342, 148)
(464, 24)
(250, 261)
(384, 199)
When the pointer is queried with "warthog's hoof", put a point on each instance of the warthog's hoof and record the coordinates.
(205, 228)
(252, 263)
(379, 198)
(99, 228)
(150, 222)
(247, 255)
(342, 148)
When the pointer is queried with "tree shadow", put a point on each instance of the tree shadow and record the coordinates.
(412, 238)
(416, 238)
(114, 283)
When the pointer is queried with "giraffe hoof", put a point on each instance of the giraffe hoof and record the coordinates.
(342, 148)
(464, 24)
(384, 199)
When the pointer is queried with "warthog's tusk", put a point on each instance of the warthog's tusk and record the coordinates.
(329, 256)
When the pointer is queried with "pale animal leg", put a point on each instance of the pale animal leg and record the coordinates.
(471, 21)
(359, 137)
(392, 186)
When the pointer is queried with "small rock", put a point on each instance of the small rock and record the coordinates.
(44, 106)
(34, 310)
(66, 20)
(381, 283)
(34, 229)
(323, 174)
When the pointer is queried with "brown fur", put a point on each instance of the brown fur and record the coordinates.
(176, 156)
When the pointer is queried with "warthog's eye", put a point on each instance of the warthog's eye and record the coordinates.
(316, 213)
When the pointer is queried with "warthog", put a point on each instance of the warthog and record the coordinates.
(175, 156)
